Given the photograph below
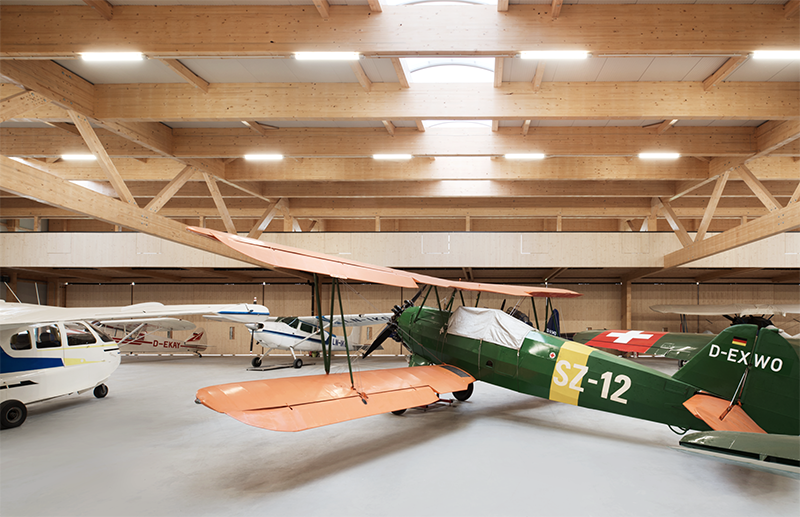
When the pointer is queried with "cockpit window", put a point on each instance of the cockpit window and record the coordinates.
(305, 327)
(47, 336)
(78, 334)
(102, 335)
(21, 341)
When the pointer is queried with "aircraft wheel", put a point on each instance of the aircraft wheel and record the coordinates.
(399, 412)
(101, 391)
(256, 362)
(12, 414)
(298, 363)
(464, 395)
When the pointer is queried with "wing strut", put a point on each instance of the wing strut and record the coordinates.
(327, 344)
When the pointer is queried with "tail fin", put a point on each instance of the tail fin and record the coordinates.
(771, 396)
(720, 365)
(198, 337)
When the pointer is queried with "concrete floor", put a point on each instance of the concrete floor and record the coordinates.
(147, 449)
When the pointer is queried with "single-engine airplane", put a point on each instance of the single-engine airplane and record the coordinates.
(135, 337)
(300, 333)
(744, 379)
(737, 313)
(47, 352)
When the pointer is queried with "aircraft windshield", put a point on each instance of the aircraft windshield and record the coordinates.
(488, 325)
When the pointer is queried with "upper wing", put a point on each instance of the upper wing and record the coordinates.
(350, 320)
(148, 324)
(674, 345)
(743, 309)
(298, 403)
(20, 314)
(286, 257)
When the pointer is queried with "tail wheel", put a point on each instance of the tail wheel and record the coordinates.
(465, 394)
(12, 414)
(298, 363)
(256, 362)
(101, 391)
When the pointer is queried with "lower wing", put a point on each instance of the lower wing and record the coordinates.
(298, 403)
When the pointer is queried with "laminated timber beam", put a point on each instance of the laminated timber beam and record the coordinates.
(19, 103)
(52, 190)
(226, 30)
(389, 101)
(350, 142)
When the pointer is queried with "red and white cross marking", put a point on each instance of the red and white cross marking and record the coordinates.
(626, 337)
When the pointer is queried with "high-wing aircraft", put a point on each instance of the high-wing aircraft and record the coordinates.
(745, 379)
(47, 352)
(736, 313)
(138, 336)
(302, 333)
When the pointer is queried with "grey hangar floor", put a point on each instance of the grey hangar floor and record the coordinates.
(148, 449)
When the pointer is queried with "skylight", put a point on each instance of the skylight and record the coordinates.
(439, 2)
(450, 70)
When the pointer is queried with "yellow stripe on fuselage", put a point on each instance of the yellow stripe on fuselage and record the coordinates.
(565, 371)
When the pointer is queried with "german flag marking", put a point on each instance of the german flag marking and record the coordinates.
(739, 341)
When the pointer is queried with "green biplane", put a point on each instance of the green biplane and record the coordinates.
(745, 379)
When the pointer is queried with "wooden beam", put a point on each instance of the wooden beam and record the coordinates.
(498, 71)
(152, 135)
(19, 103)
(390, 128)
(502, 6)
(685, 188)
(795, 195)
(183, 71)
(537, 76)
(50, 31)
(170, 189)
(675, 223)
(97, 149)
(323, 8)
(51, 81)
(626, 304)
(727, 68)
(105, 9)
(555, 11)
(386, 101)
(661, 128)
(402, 72)
(712, 206)
(758, 188)
(220, 203)
(261, 129)
(361, 75)
(526, 126)
(553, 273)
(420, 126)
(264, 220)
(775, 134)
(791, 8)
(375, 6)
(725, 273)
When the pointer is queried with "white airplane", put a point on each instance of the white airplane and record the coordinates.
(299, 333)
(137, 336)
(47, 352)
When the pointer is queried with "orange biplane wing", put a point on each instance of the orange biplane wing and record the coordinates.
(298, 403)
(286, 257)
(714, 411)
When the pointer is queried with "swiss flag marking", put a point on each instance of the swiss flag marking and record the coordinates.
(627, 340)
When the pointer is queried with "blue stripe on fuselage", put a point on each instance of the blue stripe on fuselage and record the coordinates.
(293, 336)
(9, 364)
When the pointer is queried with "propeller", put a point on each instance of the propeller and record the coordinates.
(390, 330)
(253, 327)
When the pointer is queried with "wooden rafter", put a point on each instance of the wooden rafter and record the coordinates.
(775, 134)
(96, 147)
(498, 71)
(264, 220)
(758, 188)
(220, 203)
(791, 8)
(402, 72)
(105, 9)
(390, 128)
(555, 8)
(716, 195)
(323, 8)
(526, 126)
(375, 6)
(723, 72)
(675, 223)
(685, 188)
(502, 6)
(795, 195)
(361, 75)
(662, 127)
(170, 189)
(19, 103)
(537, 76)
(261, 129)
(183, 71)
(420, 125)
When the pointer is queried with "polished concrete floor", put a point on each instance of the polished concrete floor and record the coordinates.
(147, 449)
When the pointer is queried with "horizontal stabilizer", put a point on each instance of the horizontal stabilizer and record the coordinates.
(298, 403)
(714, 412)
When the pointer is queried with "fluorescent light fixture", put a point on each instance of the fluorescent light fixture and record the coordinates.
(524, 156)
(263, 157)
(554, 54)
(776, 54)
(112, 56)
(392, 156)
(659, 156)
(78, 157)
(326, 56)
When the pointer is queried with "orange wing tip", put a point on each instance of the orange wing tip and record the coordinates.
(714, 412)
(298, 403)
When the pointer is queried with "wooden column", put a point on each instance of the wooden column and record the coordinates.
(626, 299)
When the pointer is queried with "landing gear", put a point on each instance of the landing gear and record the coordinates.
(464, 395)
(399, 412)
(101, 391)
(12, 414)
(298, 363)
(256, 362)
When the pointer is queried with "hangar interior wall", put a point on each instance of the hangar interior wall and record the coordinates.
(598, 308)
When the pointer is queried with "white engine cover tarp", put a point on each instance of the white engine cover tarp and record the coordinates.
(489, 325)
